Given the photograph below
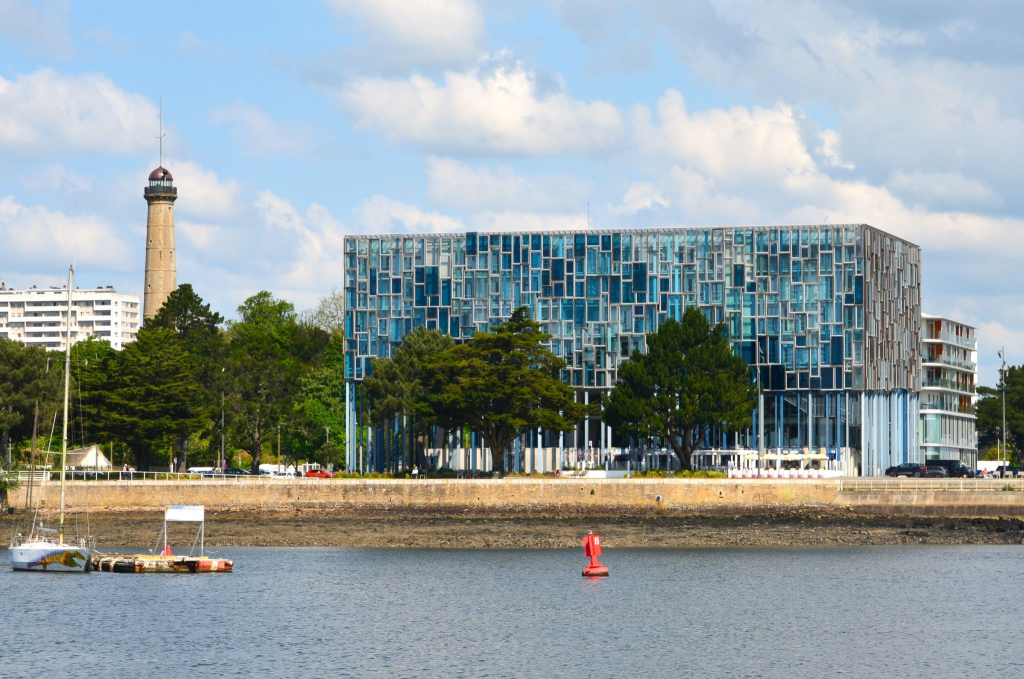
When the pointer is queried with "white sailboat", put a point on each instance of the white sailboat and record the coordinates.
(45, 549)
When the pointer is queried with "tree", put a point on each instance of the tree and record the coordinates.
(503, 383)
(329, 314)
(261, 372)
(92, 370)
(154, 395)
(8, 482)
(397, 386)
(198, 328)
(990, 412)
(321, 405)
(185, 314)
(24, 381)
(688, 382)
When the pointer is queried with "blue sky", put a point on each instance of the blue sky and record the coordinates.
(291, 124)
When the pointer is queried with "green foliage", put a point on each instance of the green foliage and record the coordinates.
(990, 413)
(8, 482)
(688, 382)
(164, 390)
(24, 381)
(91, 371)
(502, 383)
(185, 314)
(267, 356)
(198, 328)
(397, 386)
(329, 314)
(153, 395)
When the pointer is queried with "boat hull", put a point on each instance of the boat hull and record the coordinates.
(50, 557)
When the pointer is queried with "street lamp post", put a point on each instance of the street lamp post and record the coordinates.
(1002, 379)
(221, 462)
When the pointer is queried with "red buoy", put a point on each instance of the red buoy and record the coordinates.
(592, 548)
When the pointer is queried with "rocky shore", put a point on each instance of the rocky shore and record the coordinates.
(517, 528)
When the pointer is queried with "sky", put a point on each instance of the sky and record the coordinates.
(289, 125)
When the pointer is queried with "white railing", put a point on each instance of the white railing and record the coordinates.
(869, 484)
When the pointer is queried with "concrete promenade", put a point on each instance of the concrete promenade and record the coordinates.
(952, 498)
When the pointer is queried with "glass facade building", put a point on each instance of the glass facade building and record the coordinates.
(827, 316)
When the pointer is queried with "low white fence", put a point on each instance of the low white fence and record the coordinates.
(868, 484)
(772, 473)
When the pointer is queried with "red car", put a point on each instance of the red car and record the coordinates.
(319, 474)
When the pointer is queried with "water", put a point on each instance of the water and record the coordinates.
(853, 612)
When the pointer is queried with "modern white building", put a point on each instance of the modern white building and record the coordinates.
(38, 316)
(948, 390)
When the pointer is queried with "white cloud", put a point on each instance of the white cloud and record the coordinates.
(56, 177)
(938, 91)
(256, 133)
(527, 221)
(944, 188)
(857, 202)
(830, 147)
(497, 107)
(38, 237)
(43, 26)
(732, 146)
(700, 202)
(416, 33)
(315, 238)
(754, 165)
(457, 185)
(640, 196)
(203, 237)
(380, 214)
(46, 112)
(201, 193)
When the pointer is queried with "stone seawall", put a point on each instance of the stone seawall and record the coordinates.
(441, 493)
(712, 496)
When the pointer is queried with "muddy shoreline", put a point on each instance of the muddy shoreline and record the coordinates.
(471, 528)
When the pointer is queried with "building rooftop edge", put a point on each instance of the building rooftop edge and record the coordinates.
(935, 317)
(651, 230)
(63, 290)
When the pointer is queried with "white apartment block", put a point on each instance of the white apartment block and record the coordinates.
(948, 391)
(38, 316)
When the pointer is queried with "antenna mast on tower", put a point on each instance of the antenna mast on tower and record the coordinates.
(161, 135)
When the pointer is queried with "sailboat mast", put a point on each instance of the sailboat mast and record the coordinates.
(67, 394)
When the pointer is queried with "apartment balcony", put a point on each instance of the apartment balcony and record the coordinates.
(952, 362)
(958, 410)
(948, 384)
(949, 338)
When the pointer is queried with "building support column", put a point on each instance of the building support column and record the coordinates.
(586, 424)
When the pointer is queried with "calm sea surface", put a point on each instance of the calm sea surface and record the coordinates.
(853, 612)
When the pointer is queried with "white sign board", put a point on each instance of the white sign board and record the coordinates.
(184, 513)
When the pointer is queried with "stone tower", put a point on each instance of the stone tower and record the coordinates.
(161, 267)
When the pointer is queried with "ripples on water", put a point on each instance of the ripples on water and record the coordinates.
(855, 612)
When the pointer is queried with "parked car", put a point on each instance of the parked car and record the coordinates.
(1003, 472)
(319, 474)
(907, 469)
(954, 468)
(235, 471)
(934, 472)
